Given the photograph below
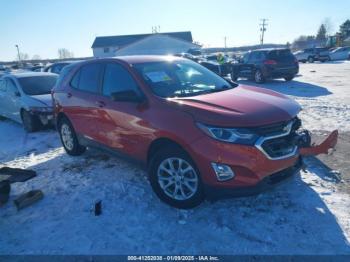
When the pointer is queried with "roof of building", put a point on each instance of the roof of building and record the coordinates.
(123, 40)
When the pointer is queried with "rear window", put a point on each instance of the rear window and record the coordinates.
(37, 85)
(280, 54)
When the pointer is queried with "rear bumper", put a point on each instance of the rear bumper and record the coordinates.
(281, 72)
(265, 184)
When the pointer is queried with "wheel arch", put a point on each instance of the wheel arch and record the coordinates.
(161, 143)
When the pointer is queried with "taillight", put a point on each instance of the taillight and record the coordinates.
(270, 62)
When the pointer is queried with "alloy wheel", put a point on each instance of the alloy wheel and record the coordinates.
(177, 178)
(67, 136)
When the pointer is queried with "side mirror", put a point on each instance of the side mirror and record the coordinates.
(127, 96)
(17, 93)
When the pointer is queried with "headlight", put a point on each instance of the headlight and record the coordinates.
(231, 135)
(41, 109)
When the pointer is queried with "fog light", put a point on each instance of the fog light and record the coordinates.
(223, 172)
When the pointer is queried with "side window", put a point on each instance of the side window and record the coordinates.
(117, 79)
(246, 58)
(56, 69)
(88, 78)
(11, 87)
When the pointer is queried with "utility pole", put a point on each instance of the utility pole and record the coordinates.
(262, 30)
(19, 57)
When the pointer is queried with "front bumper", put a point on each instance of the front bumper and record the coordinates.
(265, 184)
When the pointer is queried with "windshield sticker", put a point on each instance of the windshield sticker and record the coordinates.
(158, 76)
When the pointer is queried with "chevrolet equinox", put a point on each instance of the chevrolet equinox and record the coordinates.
(197, 133)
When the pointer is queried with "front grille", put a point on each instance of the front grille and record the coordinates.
(277, 140)
(279, 147)
(278, 128)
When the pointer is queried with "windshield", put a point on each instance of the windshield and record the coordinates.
(37, 85)
(180, 78)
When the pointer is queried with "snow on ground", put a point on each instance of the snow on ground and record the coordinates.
(307, 215)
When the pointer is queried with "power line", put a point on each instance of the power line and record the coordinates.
(263, 26)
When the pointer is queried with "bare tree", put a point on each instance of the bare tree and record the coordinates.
(36, 57)
(328, 24)
(64, 53)
(23, 56)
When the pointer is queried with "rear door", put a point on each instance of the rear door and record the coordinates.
(81, 102)
(246, 66)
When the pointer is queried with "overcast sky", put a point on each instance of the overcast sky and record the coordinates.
(41, 27)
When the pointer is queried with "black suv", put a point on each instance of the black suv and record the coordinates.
(263, 64)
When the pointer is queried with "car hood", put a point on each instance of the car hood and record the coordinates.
(46, 99)
(243, 106)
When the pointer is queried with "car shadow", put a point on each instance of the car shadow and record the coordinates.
(291, 219)
(293, 88)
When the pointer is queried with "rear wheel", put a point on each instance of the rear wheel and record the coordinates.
(69, 138)
(30, 123)
(259, 77)
(175, 178)
(233, 76)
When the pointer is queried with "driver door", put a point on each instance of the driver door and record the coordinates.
(121, 124)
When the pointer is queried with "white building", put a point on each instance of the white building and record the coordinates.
(145, 44)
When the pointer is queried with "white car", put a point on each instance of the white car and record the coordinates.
(26, 98)
(340, 53)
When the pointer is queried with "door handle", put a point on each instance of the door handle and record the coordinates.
(69, 95)
(100, 103)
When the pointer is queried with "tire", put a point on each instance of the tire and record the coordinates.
(288, 78)
(303, 61)
(259, 77)
(182, 190)
(30, 123)
(233, 77)
(310, 59)
(69, 138)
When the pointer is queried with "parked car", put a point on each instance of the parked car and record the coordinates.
(340, 53)
(196, 132)
(221, 70)
(188, 56)
(265, 64)
(26, 98)
(56, 68)
(312, 54)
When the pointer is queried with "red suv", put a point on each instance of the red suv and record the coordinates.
(198, 133)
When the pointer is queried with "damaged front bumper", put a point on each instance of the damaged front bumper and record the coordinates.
(43, 114)
(323, 148)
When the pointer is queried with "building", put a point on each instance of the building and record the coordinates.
(144, 44)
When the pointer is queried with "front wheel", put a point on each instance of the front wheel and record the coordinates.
(259, 77)
(69, 138)
(310, 59)
(289, 78)
(175, 178)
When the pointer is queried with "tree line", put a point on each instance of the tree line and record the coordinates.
(324, 36)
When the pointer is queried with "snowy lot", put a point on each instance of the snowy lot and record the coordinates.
(308, 215)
